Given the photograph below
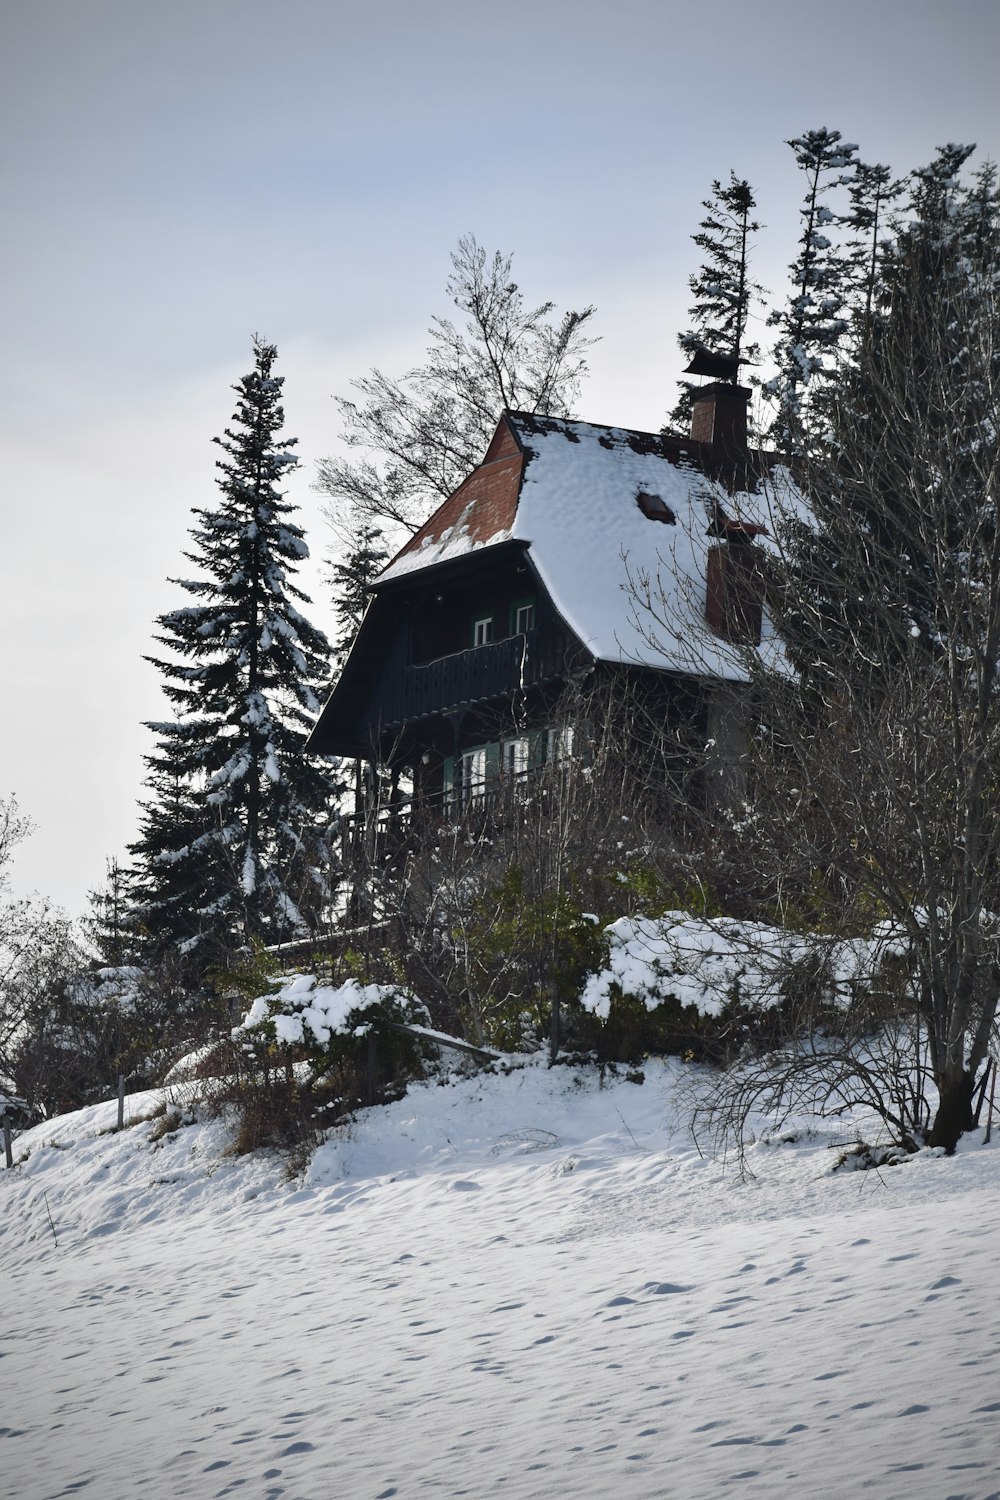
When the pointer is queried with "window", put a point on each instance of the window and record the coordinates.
(515, 756)
(474, 770)
(559, 744)
(482, 630)
(523, 617)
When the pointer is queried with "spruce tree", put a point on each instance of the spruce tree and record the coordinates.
(233, 836)
(722, 287)
(177, 861)
(872, 193)
(352, 576)
(933, 318)
(813, 322)
(110, 925)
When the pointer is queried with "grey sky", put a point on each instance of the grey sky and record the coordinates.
(177, 176)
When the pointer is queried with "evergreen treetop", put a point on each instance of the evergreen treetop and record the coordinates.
(352, 576)
(722, 287)
(812, 323)
(872, 192)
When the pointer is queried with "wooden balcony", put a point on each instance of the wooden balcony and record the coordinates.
(499, 670)
(387, 834)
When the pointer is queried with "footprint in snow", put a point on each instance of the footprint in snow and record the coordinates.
(462, 1185)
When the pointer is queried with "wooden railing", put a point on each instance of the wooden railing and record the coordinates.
(497, 670)
(388, 832)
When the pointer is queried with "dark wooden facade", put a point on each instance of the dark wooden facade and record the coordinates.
(418, 690)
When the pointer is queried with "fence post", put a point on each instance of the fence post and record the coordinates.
(6, 1139)
(121, 1101)
(989, 1112)
(371, 1066)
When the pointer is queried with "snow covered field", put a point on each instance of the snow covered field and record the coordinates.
(525, 1285)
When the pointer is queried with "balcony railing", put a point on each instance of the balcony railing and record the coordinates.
(497, 670)
(384, 834)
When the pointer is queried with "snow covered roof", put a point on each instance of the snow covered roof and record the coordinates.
(579, 495)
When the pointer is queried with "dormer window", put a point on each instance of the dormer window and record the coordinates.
(655, 508)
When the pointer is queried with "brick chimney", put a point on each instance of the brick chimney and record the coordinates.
(719, 421)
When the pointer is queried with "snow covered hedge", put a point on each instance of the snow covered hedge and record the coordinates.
(308, 1054)
(304, 1013)
(693, 975)
(674, 983)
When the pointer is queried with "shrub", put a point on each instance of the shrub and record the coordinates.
(307, 1054)
(524, 953)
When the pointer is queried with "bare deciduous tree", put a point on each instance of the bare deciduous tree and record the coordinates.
(37, 953)
(420, 436)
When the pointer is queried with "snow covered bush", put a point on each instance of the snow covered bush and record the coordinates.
(308, 1053)
(799, 1020)
(318, 1018)
(701, 963)
(711, 987)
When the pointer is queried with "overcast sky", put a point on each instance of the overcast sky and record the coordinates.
(178, 176)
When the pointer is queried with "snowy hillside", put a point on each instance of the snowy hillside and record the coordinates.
(525, 1285)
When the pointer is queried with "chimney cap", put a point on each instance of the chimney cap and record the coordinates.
(718, 366)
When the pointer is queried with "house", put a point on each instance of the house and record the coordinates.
(531, 577)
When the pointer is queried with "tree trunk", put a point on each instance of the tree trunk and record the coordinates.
(954, 1112)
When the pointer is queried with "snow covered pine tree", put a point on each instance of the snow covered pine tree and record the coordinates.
(233, 847)
(813, 323)
(721, 287)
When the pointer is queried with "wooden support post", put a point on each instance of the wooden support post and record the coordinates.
(121, 1101)
(6, 1140)
(371, 1062)
(989, 1112)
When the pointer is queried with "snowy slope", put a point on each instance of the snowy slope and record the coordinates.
(523, 1285)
